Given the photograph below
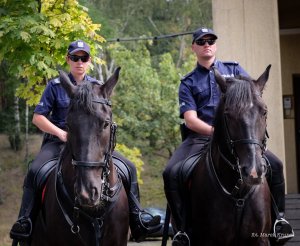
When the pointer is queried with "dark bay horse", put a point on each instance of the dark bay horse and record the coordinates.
(230, 197)
(85, 202)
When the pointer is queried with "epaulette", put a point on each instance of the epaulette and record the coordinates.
(230, 62)
(55, 81)
(188, 75)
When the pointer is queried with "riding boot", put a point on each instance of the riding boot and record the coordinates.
(142, 223)
(175, 204)
(22, 228)
(281, 228)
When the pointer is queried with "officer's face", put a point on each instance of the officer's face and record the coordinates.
(205, 48)
(79, 63)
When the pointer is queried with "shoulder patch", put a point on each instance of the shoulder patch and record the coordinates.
(55, 81)
(230, 63)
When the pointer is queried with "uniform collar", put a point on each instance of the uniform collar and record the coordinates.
(200, 67)
(73, 80)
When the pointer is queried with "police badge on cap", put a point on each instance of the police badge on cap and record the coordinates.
(201, 32)
(78, 45)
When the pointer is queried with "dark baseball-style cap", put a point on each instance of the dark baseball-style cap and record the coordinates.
(78, 45)
(201, 32)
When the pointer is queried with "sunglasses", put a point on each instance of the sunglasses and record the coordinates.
(76, 58)
(202, 42)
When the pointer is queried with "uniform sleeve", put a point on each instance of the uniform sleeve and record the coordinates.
(186, 100)
(46, 103)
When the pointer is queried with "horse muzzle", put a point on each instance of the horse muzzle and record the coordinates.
(255, 174)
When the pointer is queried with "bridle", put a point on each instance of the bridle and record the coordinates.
(108, 194)
(231, 144)
(238, 198)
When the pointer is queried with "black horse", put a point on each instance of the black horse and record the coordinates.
(85, 202)
(230, 197)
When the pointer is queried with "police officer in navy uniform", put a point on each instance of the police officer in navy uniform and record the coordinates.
(49, 116)
(199, 96)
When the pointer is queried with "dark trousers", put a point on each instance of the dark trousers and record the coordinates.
(191, 145)
(50, 149)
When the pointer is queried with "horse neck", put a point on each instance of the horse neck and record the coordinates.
(67, 170)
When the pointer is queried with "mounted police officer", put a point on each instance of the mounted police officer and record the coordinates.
(199, 96)
(49, 116)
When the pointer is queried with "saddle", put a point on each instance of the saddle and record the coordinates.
(187, 168)
(47, 167)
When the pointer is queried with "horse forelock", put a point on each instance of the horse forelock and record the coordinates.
(83, 98)
(239, 95)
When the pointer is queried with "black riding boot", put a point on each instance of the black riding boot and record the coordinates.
(281, 228)
(141, 222)
(22, 228)
(177, 213)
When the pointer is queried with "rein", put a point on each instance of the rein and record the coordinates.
(231, 146)
(108, 194)
(239, 202)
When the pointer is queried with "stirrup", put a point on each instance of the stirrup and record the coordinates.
(282, 230)
(181, 239)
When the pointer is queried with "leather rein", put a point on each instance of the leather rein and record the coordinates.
(231, 144)
(109, 195)
(239, 201)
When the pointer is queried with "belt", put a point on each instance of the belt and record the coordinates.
(50, 136)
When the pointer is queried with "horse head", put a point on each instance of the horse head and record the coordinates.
(91, 137)
(241, 125)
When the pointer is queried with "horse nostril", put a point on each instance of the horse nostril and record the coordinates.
(94, 194)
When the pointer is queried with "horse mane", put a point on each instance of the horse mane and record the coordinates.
(83, 98)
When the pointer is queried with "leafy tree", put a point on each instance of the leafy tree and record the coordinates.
(34, 36)
(145, 102)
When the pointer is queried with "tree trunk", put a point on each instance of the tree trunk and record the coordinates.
(26, 134)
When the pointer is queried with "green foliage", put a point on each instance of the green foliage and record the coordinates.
(145, 101)
(135, 156)
(34, 39)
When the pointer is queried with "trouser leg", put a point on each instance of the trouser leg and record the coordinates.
(22, 228)
(141, 223)
(276, 181)
(281, 227)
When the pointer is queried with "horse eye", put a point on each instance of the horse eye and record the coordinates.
(265, 112)
(106, 123)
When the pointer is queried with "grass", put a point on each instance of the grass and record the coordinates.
(12, 172)
(13, 169)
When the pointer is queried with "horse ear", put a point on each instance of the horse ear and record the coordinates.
(220, 80)
(111, 82)
(261, 81)
(66, 83)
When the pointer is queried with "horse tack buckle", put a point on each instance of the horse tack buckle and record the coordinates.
(75, 229)
(240, 203)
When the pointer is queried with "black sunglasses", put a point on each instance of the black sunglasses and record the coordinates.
(202, 42)
(76, 58)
